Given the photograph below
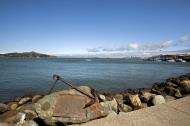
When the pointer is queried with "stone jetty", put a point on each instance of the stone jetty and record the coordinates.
(71, 107)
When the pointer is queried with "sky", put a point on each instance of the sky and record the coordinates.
(94, 26)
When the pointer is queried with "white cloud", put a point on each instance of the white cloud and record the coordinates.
(134, 46)
(184, 38)
(167, 44)
(98, 49)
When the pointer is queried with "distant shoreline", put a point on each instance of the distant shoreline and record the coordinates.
(26, 55)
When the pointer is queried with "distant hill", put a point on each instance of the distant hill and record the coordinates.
(26, 55)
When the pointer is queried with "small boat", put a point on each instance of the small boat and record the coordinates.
(180, 60)
(171, 60)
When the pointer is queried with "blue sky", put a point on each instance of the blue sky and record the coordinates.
(94, 26)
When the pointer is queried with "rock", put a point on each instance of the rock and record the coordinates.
(24, 100)
(133, 100)
(158, 86)
(108, 96)
(119, 98)
(20, 119)
(36, 98)
(30, 123)
(8, 117)
(169, 98)
(183, 77)
(102, 97)
(177, 93)
(29, 110)
(110, 105)
(174, 80)
(146, 96)
(3, 107)
(86, 89)
(173, 92)
(185, 84)
(155, 91)
(126, 108)
(158, 99)
(170, 91)
(132, 91)
(170, 84)
(68, 106)
(12, 105)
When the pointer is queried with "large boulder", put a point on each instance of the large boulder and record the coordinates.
(146, 96)
(69, 106)
(185, 85)
(133, 100)
(158, 99)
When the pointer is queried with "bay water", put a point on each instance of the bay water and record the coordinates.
(34, 76)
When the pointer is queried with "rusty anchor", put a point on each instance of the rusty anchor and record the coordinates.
(93, 98)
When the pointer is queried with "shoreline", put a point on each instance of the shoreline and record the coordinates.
(30, 107)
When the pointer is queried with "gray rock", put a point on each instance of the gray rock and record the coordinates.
(24, 100)
(3, 107)
(68, 106)
(158, 99)
(110, 105)
(126, 108)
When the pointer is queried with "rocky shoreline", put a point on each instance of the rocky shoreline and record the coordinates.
(73, 107)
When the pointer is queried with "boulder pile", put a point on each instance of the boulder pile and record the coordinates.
(71, 107)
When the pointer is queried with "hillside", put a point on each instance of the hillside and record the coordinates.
(26, 55)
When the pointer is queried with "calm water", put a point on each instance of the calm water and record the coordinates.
(34, 76)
